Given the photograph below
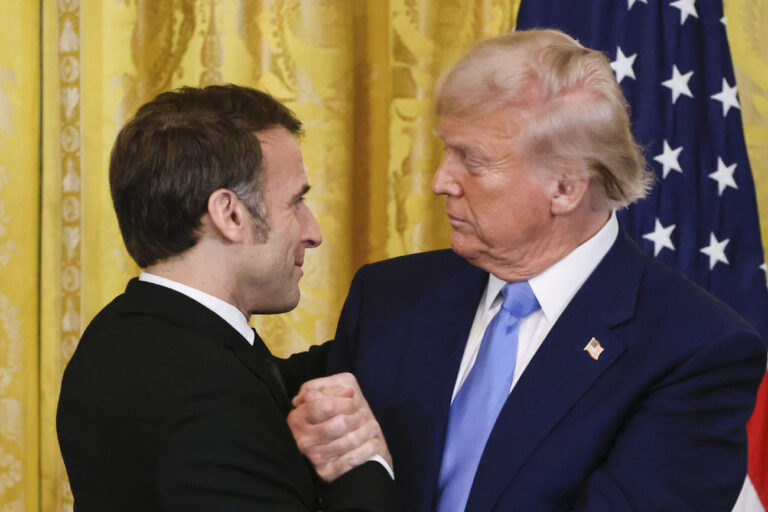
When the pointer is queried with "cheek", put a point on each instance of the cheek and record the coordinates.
(489, 207)
(292, 236)
(286, 227)
(518, 215)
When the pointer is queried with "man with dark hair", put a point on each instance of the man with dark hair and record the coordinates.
(171, 401)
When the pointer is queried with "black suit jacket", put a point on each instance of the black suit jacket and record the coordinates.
(164, 406)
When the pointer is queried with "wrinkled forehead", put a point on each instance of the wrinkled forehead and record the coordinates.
(503, 122)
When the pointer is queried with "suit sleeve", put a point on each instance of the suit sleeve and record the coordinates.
(367, 487)
(228, 448)
(303, 366)
(342, 354)
(684, 445)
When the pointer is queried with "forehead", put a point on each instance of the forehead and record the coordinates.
(278, 143)
(283, 162)
(499, 124)
(490, 138)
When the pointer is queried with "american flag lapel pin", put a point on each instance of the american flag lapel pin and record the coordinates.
(594, 348)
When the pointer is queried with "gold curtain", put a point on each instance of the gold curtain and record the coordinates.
(359, 73)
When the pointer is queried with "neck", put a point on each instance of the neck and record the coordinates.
(200, 273)
(566, 234)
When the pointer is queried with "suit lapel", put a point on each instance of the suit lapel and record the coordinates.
(177, 308)
(441, 325)
(560, 372)
(259, 360)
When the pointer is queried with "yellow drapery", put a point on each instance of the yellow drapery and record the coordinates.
(359, 73)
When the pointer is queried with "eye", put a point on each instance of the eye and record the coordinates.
(474, 165)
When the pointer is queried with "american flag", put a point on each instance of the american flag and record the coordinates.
(672, 60)
(594, 349)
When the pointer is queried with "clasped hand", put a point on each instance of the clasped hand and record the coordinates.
(334, 426)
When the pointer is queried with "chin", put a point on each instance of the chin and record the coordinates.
(464, 247)
(278, 305)
(288, 305)
(473, 251)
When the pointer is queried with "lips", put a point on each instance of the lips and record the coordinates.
(456, 221)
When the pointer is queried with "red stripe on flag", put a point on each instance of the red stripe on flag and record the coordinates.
(757, 430)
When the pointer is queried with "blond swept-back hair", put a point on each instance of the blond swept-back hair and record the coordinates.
(569, 115)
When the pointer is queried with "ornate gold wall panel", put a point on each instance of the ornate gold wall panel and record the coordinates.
(19, 235)
(62, 228)
(359, 73)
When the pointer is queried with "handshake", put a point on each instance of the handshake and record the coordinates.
(334, 426)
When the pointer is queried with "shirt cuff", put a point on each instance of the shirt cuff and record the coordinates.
(380, 460)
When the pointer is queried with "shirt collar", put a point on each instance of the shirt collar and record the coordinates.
(225, 310)
(556, 286)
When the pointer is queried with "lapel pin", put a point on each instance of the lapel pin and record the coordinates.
(594, 349)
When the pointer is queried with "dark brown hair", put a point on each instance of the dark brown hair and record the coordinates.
(177, 150)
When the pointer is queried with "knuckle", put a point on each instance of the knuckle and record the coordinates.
(315, 458)
(326, 406)
(316, 409)
(323, 472)
(296, 418)
(352, 440)
(372, 427)
(302, 442)
(337, 426)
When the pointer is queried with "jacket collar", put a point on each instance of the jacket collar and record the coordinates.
(178, 309)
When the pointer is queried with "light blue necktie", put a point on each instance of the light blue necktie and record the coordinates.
(477, 404)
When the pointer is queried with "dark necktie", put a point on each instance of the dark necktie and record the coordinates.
(269, 360)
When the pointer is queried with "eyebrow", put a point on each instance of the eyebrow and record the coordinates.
(302, 192)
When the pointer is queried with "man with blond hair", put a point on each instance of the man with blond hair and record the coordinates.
(546, 363)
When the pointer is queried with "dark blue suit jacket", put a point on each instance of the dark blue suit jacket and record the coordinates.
(656, 423)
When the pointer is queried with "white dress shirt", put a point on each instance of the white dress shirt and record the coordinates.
(225, 310)
(554, 288)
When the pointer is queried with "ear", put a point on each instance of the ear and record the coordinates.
(227, 215)
(567, 194)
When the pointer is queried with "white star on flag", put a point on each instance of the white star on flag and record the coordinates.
(686, 9)
(661, 237)
(716, 251)
(724, 21)
(764, 267)
(727, 97)
(724, 176)
(622, 66)
(668, 159)
(678, 84)
(632, 2)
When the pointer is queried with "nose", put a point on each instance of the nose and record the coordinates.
(310, 230)
(444, 182)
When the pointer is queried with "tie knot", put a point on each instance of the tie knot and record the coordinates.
(519, 299)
